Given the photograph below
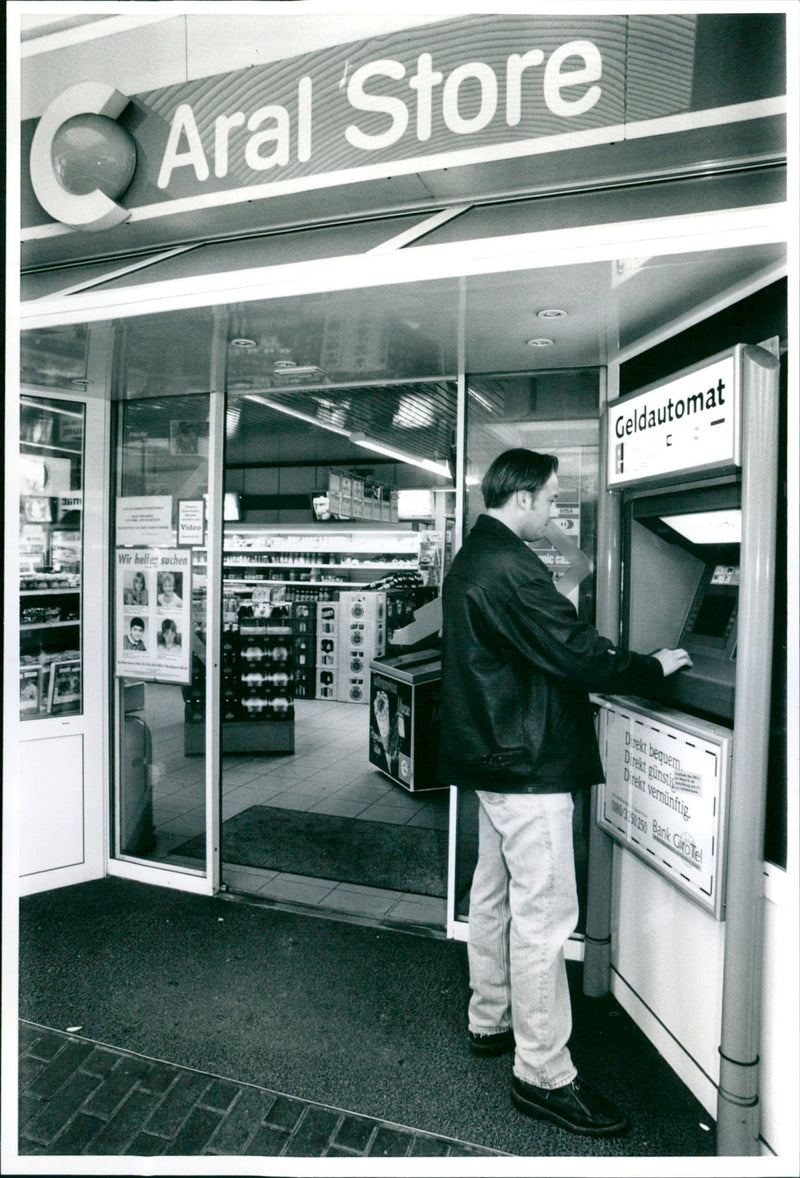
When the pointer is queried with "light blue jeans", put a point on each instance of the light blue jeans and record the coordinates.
(523, 909)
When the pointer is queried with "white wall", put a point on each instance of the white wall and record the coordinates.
(667, 966)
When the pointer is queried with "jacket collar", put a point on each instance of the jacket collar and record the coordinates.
(494, 527)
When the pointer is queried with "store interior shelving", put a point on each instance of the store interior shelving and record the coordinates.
(256, 553)
(270, 570)
(50, 545)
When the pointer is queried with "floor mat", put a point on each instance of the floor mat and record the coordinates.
(349, 850)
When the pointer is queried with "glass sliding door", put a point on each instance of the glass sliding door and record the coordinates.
(160, 628)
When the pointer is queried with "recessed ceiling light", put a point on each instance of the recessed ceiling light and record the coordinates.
(540, 343)
(243, 342)
(551, 313)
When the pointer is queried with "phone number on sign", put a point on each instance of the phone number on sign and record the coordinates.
(636, 820)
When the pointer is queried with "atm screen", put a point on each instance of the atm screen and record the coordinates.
(713, 615)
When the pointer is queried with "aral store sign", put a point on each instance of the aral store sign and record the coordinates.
(468, 90)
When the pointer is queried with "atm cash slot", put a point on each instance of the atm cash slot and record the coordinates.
(707, 686)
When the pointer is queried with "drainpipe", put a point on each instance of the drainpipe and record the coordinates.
(597, 939)
(738, 1120)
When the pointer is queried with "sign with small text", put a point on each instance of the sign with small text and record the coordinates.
(144, 519)
(690, 422)
(664, 794)
(191, 522)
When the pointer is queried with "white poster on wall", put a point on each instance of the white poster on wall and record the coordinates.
(191, 522)
(154, 614)
(144, 519)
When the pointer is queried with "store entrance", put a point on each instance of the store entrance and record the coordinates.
(339, 519)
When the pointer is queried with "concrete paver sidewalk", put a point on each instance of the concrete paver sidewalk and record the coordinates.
(81, 1097)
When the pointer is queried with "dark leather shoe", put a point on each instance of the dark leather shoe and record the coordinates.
(575, 1106)
(494, 1044)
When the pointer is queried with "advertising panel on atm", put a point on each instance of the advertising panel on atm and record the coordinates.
(665, 793)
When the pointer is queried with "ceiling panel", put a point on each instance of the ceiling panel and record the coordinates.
(398, 345)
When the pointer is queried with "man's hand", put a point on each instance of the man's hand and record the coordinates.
(672, 660)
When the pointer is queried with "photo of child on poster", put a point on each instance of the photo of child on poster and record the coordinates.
(135, 591)
(135, 639)
(170, 587)
(169, 640)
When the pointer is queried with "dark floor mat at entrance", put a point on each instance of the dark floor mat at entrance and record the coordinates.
(350, 850)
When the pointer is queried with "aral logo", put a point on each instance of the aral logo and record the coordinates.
(81, 159)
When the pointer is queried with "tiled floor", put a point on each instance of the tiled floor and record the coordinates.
(329, 773)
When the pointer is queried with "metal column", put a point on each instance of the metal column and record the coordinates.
(597, 940)
(738, 1112)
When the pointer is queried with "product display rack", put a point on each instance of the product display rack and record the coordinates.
(257, 693)
(314, 556)
(267, 581)
(310, 563)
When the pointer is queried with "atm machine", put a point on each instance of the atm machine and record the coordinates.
(687, 543)
(682, 553)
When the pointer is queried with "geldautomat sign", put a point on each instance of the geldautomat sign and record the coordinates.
(464, 91)
(688, 423)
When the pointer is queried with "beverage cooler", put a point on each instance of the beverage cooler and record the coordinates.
(404, 718)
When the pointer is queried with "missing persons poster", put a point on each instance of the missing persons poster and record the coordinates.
(153, 635)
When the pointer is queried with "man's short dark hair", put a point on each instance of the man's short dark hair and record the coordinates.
(137, 622)
(516, 470)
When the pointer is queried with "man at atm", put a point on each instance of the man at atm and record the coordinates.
(517, 727)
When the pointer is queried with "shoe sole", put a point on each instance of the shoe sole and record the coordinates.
(534, 1110)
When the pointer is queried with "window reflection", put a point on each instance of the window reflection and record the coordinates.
(55, 357)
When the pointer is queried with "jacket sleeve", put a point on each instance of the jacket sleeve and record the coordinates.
(541, 624)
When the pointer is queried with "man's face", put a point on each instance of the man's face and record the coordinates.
(136, 633)
(541, 509)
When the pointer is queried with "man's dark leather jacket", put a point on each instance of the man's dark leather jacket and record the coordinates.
(517, 665)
